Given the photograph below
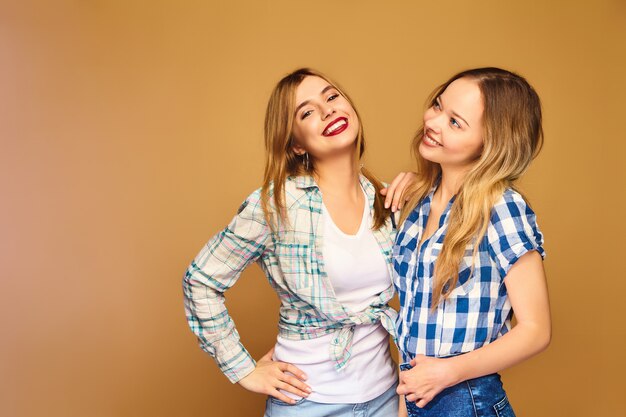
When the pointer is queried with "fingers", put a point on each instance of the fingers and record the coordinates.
(412, 398)
(395, 195)
(422, 402)
(391, 190)
(269, 377)
(417, 359)
(297, 384)
(294, 386)
(291, 383)
(404, 380)
(398, 200)
(287, 367)
(279, 395)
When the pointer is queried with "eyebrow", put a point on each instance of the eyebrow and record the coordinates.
(305, 102)
(454, 113)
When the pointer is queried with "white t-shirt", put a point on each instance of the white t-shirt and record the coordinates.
(358, 272)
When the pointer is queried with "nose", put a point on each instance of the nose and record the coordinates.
(327, 111)
(433, 120)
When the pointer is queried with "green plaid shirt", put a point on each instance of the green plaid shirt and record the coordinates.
(293, 263)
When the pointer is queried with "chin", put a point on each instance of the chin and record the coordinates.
(427, 153)
(347, 138)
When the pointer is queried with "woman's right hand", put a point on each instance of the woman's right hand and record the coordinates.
(394, 193)
(269, 377)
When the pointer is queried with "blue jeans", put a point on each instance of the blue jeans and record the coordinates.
(385, 405)
(480, 397)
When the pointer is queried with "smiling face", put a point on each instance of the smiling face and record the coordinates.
(325, 122)
(453, 127)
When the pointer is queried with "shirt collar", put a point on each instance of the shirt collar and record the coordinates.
(304, 181)
(307, 181)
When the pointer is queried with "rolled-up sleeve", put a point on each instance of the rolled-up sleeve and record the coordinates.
(214, 270)
(513, 231)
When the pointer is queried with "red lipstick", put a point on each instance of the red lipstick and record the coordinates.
(336, 127)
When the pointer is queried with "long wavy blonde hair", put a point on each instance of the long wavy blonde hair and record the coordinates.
(512, 137)
(280, 159)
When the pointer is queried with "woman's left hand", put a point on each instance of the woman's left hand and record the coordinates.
(428, 377)
(394, 193)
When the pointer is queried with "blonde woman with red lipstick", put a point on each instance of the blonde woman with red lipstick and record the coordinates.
(469, 250)
(319, 229)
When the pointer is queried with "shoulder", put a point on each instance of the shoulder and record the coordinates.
(512, 217)
(297, 188)
(252, 203)
(513, 230)
(511, 205)
(249, 222)
(292, 191)
(368, 187)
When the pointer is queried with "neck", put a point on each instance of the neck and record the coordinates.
(338, 176)
(451, 180)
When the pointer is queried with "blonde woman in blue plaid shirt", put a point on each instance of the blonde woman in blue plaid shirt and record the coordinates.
(469, 250)
(320, 231)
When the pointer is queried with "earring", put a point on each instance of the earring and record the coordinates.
(305, 160)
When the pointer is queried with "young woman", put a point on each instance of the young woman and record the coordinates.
(469, 250)
(321, 233)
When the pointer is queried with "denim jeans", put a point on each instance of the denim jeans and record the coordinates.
(385, 405)
(480, 397)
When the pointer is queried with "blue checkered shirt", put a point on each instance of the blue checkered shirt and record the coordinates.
(293, 263)
(478, 310)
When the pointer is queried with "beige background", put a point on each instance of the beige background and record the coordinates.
(131, 131)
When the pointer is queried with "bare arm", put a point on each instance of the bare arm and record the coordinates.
(528, 293)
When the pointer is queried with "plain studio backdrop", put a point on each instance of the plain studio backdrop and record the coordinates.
(132, 130)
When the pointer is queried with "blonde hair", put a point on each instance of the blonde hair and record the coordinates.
(280, 159)
(512, 138)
